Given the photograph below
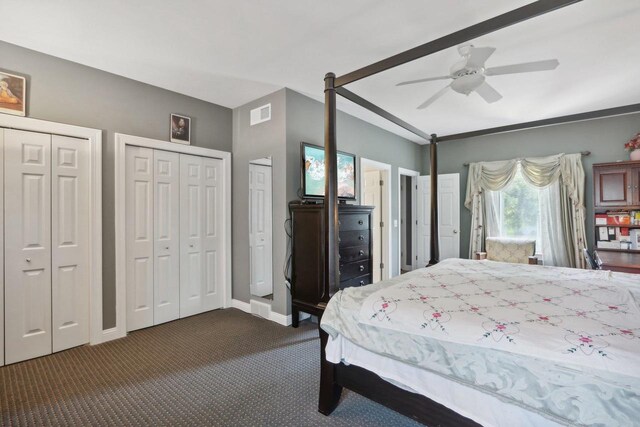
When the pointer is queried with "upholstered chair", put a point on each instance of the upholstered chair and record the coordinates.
(505, 249)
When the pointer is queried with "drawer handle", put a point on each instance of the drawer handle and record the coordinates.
(361, 252)
(361, 282)
(362, 268)
(339, 223)
(338, 240)
(339, 256)
(361, 237)
(360, 222)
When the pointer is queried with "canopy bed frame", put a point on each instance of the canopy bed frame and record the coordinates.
(336, 376)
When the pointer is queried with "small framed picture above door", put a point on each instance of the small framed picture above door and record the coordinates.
(13, 91)
(180, 129)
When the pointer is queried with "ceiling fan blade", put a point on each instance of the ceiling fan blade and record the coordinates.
(488, 93)
(526, 67)
(428, 79)
(430, 101)
(478, 56)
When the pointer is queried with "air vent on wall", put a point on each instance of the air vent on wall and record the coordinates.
(261, 114)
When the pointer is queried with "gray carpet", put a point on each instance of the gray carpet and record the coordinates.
(222, 368)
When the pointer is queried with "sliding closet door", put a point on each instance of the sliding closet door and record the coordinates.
(139, 239)
(212, 235)
(27, 164)
(69, 241)
(191, 231)
(1, 249)
(166, 236)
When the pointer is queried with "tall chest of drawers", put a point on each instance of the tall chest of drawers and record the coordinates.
(307, 251)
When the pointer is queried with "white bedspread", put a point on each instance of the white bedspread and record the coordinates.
(581, 317)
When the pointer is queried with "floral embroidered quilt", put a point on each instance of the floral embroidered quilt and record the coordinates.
(579, 317)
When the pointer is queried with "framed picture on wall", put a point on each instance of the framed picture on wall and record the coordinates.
(13, 91)
(180, 129)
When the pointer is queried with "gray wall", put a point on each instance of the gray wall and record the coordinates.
(305, 122)
(603, 137)
(249, 143)
(66, 92)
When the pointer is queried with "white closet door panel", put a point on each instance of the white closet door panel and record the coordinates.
(1, 249)
(166, 236)
(69, 241)
(191, 233)
(27, 170)
(140, 237)
(213, 277)
(260, 230)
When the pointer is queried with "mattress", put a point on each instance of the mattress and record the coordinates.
(562, 392)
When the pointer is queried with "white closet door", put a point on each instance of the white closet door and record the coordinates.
(260, 230)
(69, 241)
(166, 236)
(373, 197)
(1, 249)
(424, 221)
(213, 258)
(27, 245)
(139, 240)
(191, 231)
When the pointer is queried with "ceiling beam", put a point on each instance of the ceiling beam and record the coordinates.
(356, 99)
(501, 21)
(590, 115)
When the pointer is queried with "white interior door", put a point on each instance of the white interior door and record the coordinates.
(373, 197)
(69, 241)
(27, 215)
(139, 239)
(1, 249)
(423, 233)
(166, 225)
(260, 230)
(212, 236)
(191, 231)
(448, 217)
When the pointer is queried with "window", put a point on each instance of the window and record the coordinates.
(518, 210)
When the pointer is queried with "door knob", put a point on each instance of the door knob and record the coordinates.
(455, 231)
(167, 247)
(191, 245)
(28, 259)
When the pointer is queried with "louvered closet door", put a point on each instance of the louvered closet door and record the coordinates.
(139, 237)
(69, 241)
(213, 257)
(166, 236)
(27, 194)
(191, 233)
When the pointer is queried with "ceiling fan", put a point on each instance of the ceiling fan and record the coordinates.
(469, 74)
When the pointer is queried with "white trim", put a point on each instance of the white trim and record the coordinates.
(122, 140)
(280, 318)
(265, 161)
(412, 173)
(385, 168)
(241, 305)
(94, 137)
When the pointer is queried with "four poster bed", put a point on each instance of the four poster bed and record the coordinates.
(366, 335)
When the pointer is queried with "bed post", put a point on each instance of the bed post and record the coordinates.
(433, 172)
(329, 390)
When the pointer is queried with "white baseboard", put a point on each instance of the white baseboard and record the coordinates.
(280, 318)
(241, 305)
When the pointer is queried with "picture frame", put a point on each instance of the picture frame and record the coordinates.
(13, 94)
(180, 129)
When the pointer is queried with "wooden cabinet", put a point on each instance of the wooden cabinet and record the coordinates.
(616, 184)
(355, 262)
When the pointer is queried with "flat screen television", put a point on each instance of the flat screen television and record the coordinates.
(313, 173)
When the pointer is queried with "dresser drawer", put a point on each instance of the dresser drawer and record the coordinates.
(353, 253)
(353, 238)
(356, 281)
(353, 222)
(353, 269)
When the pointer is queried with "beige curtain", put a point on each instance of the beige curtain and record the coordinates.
(540, 172)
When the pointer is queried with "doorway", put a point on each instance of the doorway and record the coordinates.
(375, 191)
(260, 228)
(407, 202)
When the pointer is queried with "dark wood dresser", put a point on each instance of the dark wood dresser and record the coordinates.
(355, 248)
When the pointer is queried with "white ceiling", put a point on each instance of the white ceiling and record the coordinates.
(230, 52)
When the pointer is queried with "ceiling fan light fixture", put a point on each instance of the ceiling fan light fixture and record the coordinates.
(467, 83)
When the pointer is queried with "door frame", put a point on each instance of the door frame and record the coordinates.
(121, 141)
(385, 168)
(94, 138)
(413, 174)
